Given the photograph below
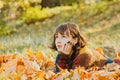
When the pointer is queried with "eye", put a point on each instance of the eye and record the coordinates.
(56, 36)
(64, 36)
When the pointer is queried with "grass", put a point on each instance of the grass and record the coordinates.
(100, 29)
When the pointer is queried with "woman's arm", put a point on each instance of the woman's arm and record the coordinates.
(82, 60)
(61, 62)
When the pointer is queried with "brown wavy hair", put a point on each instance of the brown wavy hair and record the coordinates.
(70, 29)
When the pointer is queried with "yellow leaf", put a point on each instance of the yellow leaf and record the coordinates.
(39, 56)
(48, 63)
(29, 52)
(40, 76)
(78, 69)
(61, 70)
(100, 50)
(1, 70)
(16, 76)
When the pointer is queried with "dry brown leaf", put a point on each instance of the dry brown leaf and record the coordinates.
(10, 66)
(20, 68)
(29, 67)
(49, 74)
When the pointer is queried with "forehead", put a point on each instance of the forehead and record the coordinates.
(58, 33)
(62, 33)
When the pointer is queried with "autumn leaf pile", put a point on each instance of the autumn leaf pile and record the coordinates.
(37, 66)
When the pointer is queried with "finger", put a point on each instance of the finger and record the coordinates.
(63, 50)
(68, 48)
(64, 47)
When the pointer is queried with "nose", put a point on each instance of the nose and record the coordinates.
(58, 40)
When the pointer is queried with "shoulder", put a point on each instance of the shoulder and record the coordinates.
(85, 54)
(92, 52)
(85, 50)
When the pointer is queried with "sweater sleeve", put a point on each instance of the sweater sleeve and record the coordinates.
(61, 62)
(100, 59)
(82, 60)
(56, 63)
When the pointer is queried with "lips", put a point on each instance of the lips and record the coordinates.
(59, 46)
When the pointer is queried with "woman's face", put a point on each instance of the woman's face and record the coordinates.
(61, 40)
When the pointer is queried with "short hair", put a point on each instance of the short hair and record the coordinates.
(70, 29)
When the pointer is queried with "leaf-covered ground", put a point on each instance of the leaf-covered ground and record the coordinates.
(38, 66)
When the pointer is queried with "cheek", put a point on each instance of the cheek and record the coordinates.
(57, 41)
(62, 41)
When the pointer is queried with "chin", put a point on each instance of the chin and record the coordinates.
(65, 54)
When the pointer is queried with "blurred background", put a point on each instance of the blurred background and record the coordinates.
(29, 24)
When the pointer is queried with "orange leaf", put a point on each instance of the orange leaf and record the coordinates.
(14, 56)
(29, 52)
(40, 75)
(20, 68)
(1, 59)
(102, 77)
(118, 55)
(49, 63)
(62, 70)
(29, 66)
(10, 66)
(16, 76)
(6, 58)
(82, 76)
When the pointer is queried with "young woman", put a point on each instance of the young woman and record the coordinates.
(72, 49)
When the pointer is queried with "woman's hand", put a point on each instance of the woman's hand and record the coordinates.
(67, 48)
